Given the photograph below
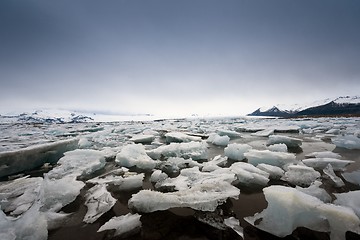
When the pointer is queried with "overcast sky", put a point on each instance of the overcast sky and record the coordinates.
(183, 56)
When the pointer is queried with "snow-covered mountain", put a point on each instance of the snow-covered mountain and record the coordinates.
(328, 106)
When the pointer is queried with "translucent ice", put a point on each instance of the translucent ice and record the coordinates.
(301, 175)
(218, 140)
(142, 138)
(329, 171)
(289, 208)
(274, 171)
(325, 154)
(249, 175)
(98, 201)
(347, 141)
(289, 141)
(279, 147)
(352, 177)
(279, 159)
(122, 224)
(180, 137)
(264, 133)
(236, 151)
(135, 155)
(321, 163)
(234, 224)
(193, 150)
(315, 191)
(349, 199)
(204, 197)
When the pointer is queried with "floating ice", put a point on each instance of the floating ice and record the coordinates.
(274, 171)
(278, 159)
(321, 163)
(98, 201)
(301, 175)
(84, 143)
(288, 141)
(128, 181)
(234, 224)
(204, 197)
(80, 162)
(216, 163)
(347, 141)
(123, 224)
(315, 191)
(135, 155)
(157, 176)
(263, 133)
(325, 154)
(229, 133)
(236, 151)
(288, 209)
(279, 147)
(352, 177)
(34, 156)
(18, 195)
(329, 171)
(57, 193)
(249, 175)
(174, 164)
(349, 199)
(218, 140)
(180, 137)
(142, 138)
(190, 177)
(193, 150)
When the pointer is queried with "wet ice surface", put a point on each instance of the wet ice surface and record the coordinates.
(181, 179)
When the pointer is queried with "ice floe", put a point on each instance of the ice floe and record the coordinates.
(204, 197)
(288, 141)
(349, 199)
(249, 175)
(315, 191)
(180, 137)
(135, 155)
(234, 224)
(352, 177)
(98, 201)
(273, 171)
(235, 151)
(279, 159)
(289, 208)
(218, 140)
(142, 138)
(329, 171)
(193, 150)
(325, 154)
(321, 163)
(347, 141)
(279, 147)
(301, 175)
(263, 133)
(122, 224)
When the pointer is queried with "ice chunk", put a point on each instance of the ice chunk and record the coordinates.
(34, 156)
(229, 133)
(216, 163)
(18, 195)
(84, 143)
(249, 175)
(288, 141)
(325, 154)
(234, 224)
(80, 162)
(175, 164)
(204, 197)
(278, 159)
(190, 177)
(218, 140)
(330, 172)
(193, 150)
(123, 224)
(301, 175)
(132, 181)
(236, 151)
(321, 163)
(57, 193)
(352, 177)
(288, 209)
(347, 141)
(349, 199)
(98, 201)
(315, 191)
(274, 171)
(135, 155)
(263, 133)
(142, 138)
(180, 137)
(279, 147)
(157, 176)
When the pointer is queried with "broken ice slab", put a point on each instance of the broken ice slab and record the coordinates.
(324, 154)
(180, 137)
(349, 199)
(321, 163)
(301, 175)
(329, 171)
(28, 158)
(204, 197)
(248, 175)
(135, 155)
(142, 138)
(289, 141)
(235, 151)
(122, 224)
(347, 141)
(352, 177)
(279, 159)
(288, 209)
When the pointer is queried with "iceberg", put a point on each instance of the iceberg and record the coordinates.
(122, 224)
(98, 201)
(204, 197)
(288, 141)
(135, 155)
(80, 162)
(289, 208)
(235, 151)
(278, 159)
(193, 150)
(321, 163)
(301, 175)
